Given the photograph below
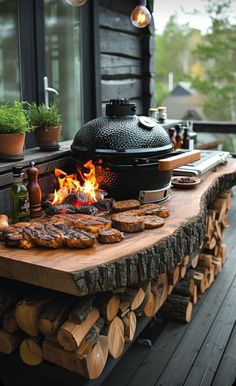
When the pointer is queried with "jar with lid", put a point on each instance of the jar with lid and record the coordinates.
(153, 113)
(162, 114)
(20, 209)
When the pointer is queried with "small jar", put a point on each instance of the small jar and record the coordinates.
(162, 114)
(153, 113)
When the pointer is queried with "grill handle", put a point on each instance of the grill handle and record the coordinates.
(171, 163)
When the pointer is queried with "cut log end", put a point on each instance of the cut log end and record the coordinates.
(31, 352)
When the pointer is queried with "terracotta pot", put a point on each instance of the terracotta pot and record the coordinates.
(11, 145)
(48, 139)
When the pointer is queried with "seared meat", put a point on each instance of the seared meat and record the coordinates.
(83, 221)
(110, 236)
(153, 222)
(155, 209)
(13, 235)
(44, 236)
(121, 206)
(73, 238)
(126, 222)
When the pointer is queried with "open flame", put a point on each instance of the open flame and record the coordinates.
(69, 184)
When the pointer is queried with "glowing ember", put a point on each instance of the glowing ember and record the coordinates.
(69, 184)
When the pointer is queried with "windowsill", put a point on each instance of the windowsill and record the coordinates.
(38, 156)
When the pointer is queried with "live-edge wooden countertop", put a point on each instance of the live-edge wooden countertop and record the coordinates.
(138, 257)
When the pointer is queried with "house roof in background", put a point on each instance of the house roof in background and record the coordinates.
(184, 107)
(182, 89)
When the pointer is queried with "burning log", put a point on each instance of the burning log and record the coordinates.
(70, 209)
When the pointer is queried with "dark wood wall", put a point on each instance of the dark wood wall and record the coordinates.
(126, 55)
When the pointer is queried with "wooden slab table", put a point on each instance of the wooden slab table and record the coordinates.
(140, 256)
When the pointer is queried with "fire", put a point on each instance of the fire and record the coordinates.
(70, 184)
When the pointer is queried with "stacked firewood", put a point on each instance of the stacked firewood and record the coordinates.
(74, 333)
(199, 274)
(79, 333)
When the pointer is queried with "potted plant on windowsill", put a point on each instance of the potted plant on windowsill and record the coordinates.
(13, 126)
(47, 125)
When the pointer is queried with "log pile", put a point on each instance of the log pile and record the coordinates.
(78, 334)
(197, 275)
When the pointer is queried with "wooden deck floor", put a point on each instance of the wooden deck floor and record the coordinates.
(200, 353)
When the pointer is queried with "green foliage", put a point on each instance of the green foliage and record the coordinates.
(218, 53)
(230, 143)
(172, 49)
(13, 119)
(42, 116)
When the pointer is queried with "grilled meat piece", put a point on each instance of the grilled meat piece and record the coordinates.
(44, 236)
(121, 206)
(13, 234)
(152, 222)
(110, 236)
(73, 238)
(83, 221)
(126, 222)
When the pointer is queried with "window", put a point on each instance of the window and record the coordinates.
(195, 64)
(9, 58)
(41, 38)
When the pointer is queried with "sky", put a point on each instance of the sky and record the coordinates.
(163, 9)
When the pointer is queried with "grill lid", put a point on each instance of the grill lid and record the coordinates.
(122, 133)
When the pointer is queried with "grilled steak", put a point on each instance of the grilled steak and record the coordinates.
(121, 206)
(44, 236)
(110, 236)
(153, 222)
(126, 222)
(73, 238)
(13, 235)
(83, 221)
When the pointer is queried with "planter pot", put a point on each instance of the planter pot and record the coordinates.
(48, 139)
(12, 146)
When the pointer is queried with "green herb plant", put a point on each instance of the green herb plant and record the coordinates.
(42, 116)
(13, 119)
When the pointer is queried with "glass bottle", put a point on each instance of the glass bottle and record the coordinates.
(192, 134)
(20, 209)
(178, 137)
(171, 132)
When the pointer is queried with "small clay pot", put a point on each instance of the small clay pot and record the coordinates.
(11, 145)
(48, 139)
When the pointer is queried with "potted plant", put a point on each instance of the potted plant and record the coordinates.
(13, 126)
(47, 125)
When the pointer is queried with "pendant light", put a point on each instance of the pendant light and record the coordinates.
(76, 3)
(140, 16)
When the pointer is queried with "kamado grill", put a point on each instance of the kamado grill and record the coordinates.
(133, 155)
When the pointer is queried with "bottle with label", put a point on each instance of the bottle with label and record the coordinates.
(34, 191)
(20, 209)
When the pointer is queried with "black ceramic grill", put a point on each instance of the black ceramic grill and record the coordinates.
(126, 150)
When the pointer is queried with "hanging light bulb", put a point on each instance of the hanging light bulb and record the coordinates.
(76, 3)
(140, 16)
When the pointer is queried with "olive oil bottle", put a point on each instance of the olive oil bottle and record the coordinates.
(20, 208)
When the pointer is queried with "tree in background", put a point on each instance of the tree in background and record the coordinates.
(217, 51)
(174, 55)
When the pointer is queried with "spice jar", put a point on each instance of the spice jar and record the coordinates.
(162, 114)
